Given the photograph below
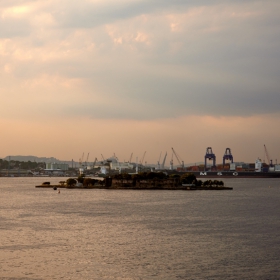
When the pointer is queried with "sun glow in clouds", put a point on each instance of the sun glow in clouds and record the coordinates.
(16, 11)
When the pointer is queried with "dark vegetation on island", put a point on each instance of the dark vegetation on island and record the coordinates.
(71, 182)
(144, 180)
(186, 178)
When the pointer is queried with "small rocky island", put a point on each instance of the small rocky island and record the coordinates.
(140, 181)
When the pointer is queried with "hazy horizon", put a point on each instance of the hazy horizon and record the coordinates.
(105, 77)
(176, 163)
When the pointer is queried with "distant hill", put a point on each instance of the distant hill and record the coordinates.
(31, 158)
(41, 159)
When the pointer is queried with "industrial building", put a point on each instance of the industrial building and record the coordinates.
(56, 166)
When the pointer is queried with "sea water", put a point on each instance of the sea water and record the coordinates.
(139, 234)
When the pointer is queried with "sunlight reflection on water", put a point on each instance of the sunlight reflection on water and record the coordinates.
(127, 234)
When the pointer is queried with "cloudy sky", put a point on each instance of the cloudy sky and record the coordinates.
(129, 76)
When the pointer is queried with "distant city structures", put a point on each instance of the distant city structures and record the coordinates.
(12, 166)
(56, 166)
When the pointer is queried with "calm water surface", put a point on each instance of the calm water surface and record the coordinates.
(129, 234)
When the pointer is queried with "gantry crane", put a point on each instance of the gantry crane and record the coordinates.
(211, 156)
(227, 156)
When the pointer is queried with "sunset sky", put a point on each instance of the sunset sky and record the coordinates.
(119, 76)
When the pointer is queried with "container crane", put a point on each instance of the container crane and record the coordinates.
(211, 156)
(227, 156)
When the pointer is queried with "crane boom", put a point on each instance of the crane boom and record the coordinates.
(159, 161)
(163, 163)
(141, 162)
(267, 155)
(81, 159)
(171, 162)
(94, 163)
(159, 157)
(130, 157)
(180, 161)
(87, 159)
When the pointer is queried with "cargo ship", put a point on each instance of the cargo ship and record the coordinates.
(235, 174)
(259, 171)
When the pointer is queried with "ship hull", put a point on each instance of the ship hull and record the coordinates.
(235, 174)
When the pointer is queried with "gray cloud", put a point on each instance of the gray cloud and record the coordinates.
(230, 71)
(10, 28)
(88, 15)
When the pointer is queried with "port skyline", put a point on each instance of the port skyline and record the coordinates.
(141, 159)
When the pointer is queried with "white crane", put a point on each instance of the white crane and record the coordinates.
(159, 160)
(163, 162)
(81, 160)
(86, 162)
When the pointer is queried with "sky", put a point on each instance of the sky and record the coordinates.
(120, 77)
